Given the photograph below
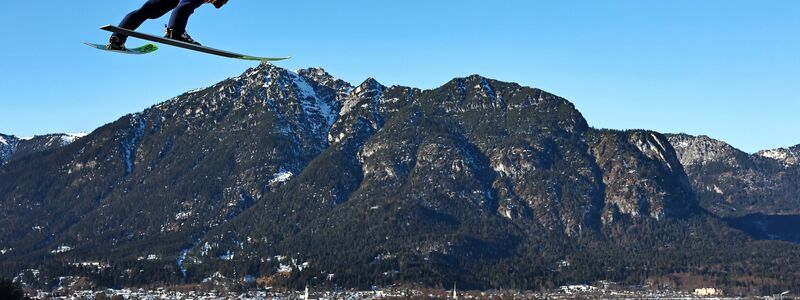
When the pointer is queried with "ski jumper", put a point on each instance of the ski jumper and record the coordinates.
(154, 9)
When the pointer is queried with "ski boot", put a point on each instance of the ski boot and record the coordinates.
(115, 43)
(219, 3)
(180, 36)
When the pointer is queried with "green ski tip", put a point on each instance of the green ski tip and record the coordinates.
(255, 58)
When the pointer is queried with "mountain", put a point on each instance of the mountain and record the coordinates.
(7, 146)
(12, 147)
(732, 183)
(292, 178)
(789, 157)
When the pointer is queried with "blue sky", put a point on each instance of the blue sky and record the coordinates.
(725, 68)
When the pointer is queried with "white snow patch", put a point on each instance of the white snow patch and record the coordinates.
(204, 250)
(285, 268)
(653, 135)
(307, 91)
(282, 176)
(214, 277)
(717, 189)
(62, 249)
(501, 169)
(195, 90)
(305, 88)
(181, 259)
(507, 214)
(337, 138)
(786, 156)
(69, 138)
(651, 150)
(183, 215)
(775, 154)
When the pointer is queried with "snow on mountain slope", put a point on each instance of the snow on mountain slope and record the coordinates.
(282, 176)
(789, 157)
(730, 182)
(8, 145)
(12, 147)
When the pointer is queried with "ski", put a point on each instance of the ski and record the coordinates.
(147, 48)
(188, 46)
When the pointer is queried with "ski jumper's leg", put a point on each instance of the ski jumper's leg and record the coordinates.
(152, 9)
(180, 16)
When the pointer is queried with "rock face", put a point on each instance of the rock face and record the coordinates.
(732, 183)
(8, 144)
(789, 157)
(287, 175)
(642, 175)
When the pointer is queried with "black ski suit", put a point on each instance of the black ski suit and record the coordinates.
(154, 9)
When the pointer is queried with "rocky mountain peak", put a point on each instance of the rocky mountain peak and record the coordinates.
(322, 78)
(642, 174)
(702, 150)
(729, 182)
(787, 156)
(360, 113)
(12, 147)
(477, 86)
(368, 88)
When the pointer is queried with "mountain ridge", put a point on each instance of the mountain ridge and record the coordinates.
(12, 147)
(281, 175)
(732, 183)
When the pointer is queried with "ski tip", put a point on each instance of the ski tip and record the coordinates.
(145, 49)
(279, 58)
(263, 59)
